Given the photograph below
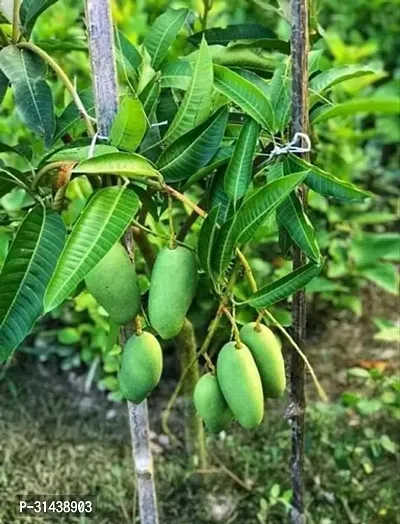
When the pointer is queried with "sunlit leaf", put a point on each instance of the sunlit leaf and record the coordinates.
(123, 164)
(30, 11)
(129, 126)
(364, 106)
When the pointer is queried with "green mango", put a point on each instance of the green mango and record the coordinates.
(113, 283)
(240, 383)
(141, 367)
(172, 289)
(266, 350)
(211, 404)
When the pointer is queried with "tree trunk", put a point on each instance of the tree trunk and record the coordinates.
(101, 47)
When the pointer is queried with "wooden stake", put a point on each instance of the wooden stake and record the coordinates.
(98, 14)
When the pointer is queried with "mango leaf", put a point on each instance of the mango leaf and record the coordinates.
(314, 61)
(194, 150)
(244, 58)
(220, 158)
(101, 224)
(149, 96)
(253, 78)
(335, 75)
(128, 57)
(71, 116)
(10, 178)
(239, 171)
(223, 247)
(207, 236)
(370, 106)
(284, 287)
(129, 165)
(3, 85)
(163, 33)
(262, 203)
(30, 11)
(32, 95)
(324, 183)
(177, 74)
(280, 95)
(196, 103)
(79, 154)
(384, 276)
(129, 126)
(244, 94)
(26, 272)
(292, 217)
(218, 35)
(272, 43)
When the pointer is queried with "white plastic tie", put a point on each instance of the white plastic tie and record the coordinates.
(293, 146)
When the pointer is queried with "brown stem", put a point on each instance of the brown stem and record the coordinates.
(299, 50)
(146, 248)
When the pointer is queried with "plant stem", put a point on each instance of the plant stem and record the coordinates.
(299, 53)
(46, 169)
(15, 24)
(64, 79)
(98, 13)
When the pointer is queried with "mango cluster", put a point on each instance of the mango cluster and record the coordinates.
(245, 376)
(114, 284)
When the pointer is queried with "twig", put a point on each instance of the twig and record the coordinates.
(15, 23)
(230, 473)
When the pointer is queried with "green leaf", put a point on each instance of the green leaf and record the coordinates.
(194, 150)
(71, 116)
(280, 95)
(368, 248)
(163, 33)
(129, 126)
(224, 244)
(253, 78)
(129, 165)
(207, 236)
(262, 203)
(99, 227)
(3, 85)
(314, 61)
(10, 178)
(79, 154)
(196, 103)
(27, 270)
(30, 11)
(244, 94)
(284, 287)
(239, 171)
(218, 197)
(244, 58)
(220, 158)
(149, 96)
(32, 95)
(384, 276)
(331, 77)
(177, 74)
(324, 183)
(129, 58)
(370, 106)
(291, 215)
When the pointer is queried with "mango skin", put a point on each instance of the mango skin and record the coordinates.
(211, 404)
(141, 367)
(266, 350)
(240, 383)
(113, 283)
(172, 289)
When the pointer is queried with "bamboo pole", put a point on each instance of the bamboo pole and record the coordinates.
(98, 14)
(296, 411)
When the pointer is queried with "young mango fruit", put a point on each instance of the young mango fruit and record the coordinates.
(141, 367)
(211, 404)
(172, 289)
(267, 353)
(113, 283)
(240, 383)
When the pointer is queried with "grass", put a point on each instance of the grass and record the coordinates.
(52, 442)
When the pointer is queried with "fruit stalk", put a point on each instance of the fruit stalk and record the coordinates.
(99, 23)
(300, 124)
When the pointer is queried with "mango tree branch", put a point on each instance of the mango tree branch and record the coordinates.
(64, 79)
(15, 23)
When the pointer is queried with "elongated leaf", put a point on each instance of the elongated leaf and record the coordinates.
(218, 35)
(284, 287)
(162, 34)
(30, 11)
(244, 58)
(71, 116)
(239, 171)
(194, 150)
(223, 247)
(196, 103)
(246, 95)
(3, 85)
(149, 96)
(280, 95)
(220, 158)
(272, 43)
(129, 126)
(32, 95)
(253, 78)
(121, 164)
(324, 183)
(207, 236)
(128, 57)
(218, 197)
(10, 178)
(331, 77)
(370, 106)
(177, 74)
(26, 272)
(101, 224)
(262, 203)
(314, 61)
(291, 215)
(79, 154)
